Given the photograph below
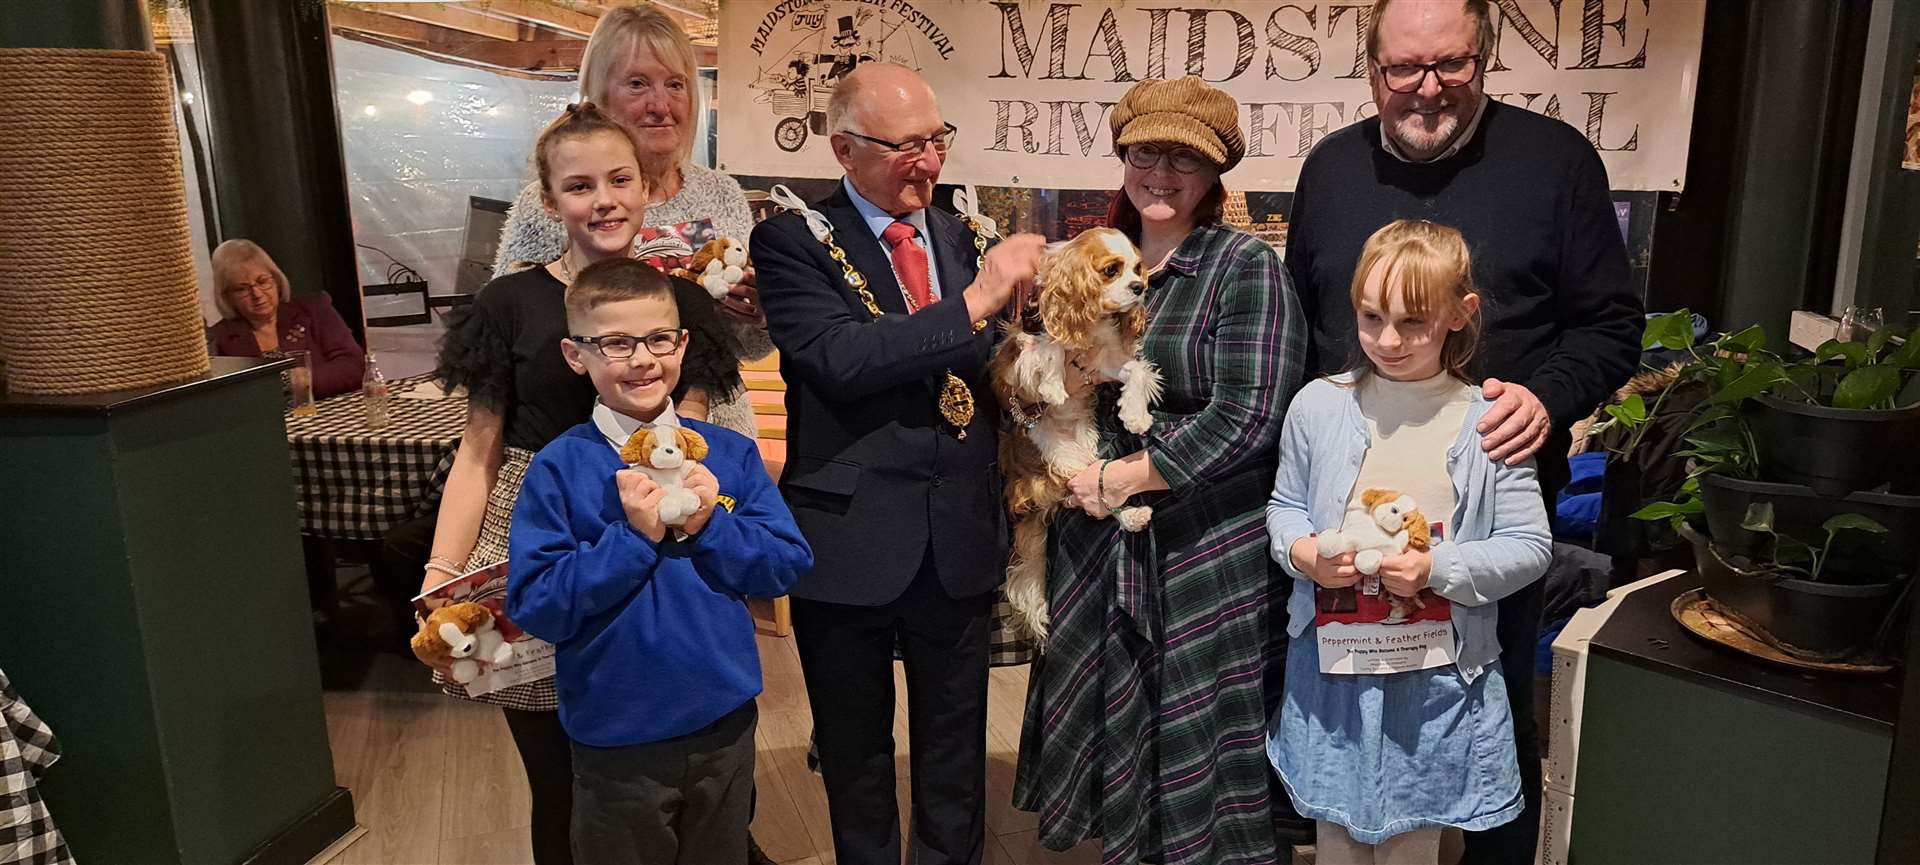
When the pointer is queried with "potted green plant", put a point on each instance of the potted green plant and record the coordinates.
(1746, 500)
(1826, 602)
(1844, 420)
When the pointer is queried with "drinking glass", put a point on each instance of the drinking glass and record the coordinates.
(299, 381)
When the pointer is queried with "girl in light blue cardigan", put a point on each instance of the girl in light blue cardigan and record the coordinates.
(1383, 761)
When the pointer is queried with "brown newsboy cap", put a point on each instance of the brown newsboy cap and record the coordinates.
(1185, 111)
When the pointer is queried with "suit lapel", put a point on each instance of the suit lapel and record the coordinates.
(864, 252)
(952, 250)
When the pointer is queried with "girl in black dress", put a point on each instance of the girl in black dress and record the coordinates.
(520, 394)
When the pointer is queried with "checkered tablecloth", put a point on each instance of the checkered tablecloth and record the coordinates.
(27, 749)
(353, 483)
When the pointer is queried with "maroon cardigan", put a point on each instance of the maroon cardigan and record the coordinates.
(307, 322)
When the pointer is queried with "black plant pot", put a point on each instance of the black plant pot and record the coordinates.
(1815, 621)
(1798, 512)
(1836, 451)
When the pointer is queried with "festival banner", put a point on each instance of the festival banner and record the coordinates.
(1030, 84)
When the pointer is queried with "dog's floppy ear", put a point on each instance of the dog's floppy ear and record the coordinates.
(1419, 534)
(1370, 498)
(638, 451)
(1069, 295)
(692, 444)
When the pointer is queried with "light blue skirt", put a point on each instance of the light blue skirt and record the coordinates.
(1387, 754)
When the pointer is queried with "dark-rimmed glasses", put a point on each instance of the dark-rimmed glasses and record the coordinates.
(1451, 72)
(620, 346)
(1146, 156)
(939, 141)
(262, 283)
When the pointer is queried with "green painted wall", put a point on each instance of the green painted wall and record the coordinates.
(1675, 771)
(165, 635)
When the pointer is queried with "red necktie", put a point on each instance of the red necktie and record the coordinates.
(909, 263)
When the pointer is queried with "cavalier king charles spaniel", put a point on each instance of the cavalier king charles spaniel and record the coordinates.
(1091, 305)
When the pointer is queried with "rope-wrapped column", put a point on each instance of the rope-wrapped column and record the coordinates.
(97, 288)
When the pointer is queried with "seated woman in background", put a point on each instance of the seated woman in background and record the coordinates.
(259, 316)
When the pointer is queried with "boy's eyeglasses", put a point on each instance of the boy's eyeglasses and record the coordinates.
(620, 346)
(1451, 72)
(1146, 156)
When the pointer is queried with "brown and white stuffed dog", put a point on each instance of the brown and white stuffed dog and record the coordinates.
(460, 638)
(667, 459)
(1388, 524)
(1091, 302)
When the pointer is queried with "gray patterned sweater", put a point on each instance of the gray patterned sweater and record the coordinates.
(530, 235)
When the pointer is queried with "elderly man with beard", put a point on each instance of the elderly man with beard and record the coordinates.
(1561, 322)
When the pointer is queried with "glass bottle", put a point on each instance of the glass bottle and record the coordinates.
(376, 395)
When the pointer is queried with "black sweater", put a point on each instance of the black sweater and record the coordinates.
(1530, 194)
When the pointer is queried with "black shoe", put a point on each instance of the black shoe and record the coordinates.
(757, 856)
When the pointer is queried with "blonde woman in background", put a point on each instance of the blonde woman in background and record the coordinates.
(640, 67)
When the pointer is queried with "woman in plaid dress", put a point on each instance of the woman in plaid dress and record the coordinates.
(1146, 713)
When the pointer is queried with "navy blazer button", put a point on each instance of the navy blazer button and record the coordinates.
(936, 480)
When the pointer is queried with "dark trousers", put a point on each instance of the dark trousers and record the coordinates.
(847, 655)
(1519, 632)
(685, 800)
(401, 566)
(546, 754)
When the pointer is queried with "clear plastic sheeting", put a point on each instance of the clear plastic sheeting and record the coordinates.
(420, 137)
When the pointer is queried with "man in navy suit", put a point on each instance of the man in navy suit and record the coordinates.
(896, 489)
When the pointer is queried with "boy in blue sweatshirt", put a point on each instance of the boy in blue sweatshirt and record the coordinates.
(657, 669)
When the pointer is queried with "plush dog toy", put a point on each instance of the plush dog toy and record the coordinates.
(667, 458)
(719, 265)
(459, 638)
(1090, 301)
(1388, 525)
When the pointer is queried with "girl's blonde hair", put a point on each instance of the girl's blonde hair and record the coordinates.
(1430, 266)
(626, 29)
(578, 121)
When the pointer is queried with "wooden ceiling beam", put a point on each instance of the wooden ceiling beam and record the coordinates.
(572, 18)
(544, 55)
(377, 24)
(449, 16)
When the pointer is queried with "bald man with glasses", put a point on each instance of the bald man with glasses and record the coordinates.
(879, 304)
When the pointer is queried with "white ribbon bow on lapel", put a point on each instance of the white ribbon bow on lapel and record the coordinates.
(816, 221)
(966, 200)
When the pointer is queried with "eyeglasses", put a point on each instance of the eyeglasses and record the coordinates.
(261, 283)
(913, 146)
(619, 346)
(1451, 72)
(1146, 156)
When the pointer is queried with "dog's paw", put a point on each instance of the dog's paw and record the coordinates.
(1328, 544)
(1367, 562)
(1135, 518)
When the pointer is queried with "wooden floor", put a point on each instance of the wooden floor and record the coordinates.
(436, 780)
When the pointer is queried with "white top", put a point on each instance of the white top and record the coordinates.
(1412, 426)
(616, 427)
